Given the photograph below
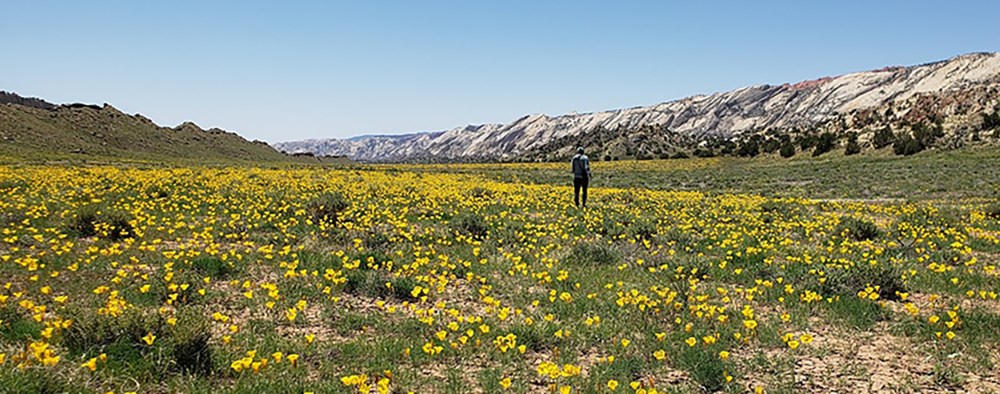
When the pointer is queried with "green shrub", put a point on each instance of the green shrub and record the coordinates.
(191, 351)
(883, 138)
(927, 135)
(14, 326)
(88, 220)
(372, 283)
(38, 381)
(378, 240)
(852, 148)
(847, 282)
(212, 266)
(704, 366)
(93, 334)
(992, 211)
(748, 148)
(906, 145)
(327, 208)
(362, 282)
(824, 143)
(642, 230)
(9, 217)
(991, 121)
(480, 192)
(703, 153)
(857, 229)
(120, 225)
(157, 192)
(857, 313)
(470, 224)
(678, 237)
(772, 206)
(84, 224)
(787, 150)
(402, 288)
(614, 224)
(593, 253)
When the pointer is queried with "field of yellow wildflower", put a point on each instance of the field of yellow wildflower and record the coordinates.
(410, 279)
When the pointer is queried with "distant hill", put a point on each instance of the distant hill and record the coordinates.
(941, 104)
(33, 129)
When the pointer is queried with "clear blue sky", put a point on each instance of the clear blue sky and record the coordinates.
(283, 70)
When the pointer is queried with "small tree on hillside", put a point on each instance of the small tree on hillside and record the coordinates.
(883, 138)
(749, 147)
(927, 135)
(787, 150)
(824, 143)
(992, 121)
(852, 147)
(906, 145)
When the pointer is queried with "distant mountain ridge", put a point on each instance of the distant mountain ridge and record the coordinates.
(34, 129)
(954, 94)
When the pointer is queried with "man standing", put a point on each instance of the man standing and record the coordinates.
(581, 176)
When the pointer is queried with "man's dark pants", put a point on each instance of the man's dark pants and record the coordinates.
(577, 184)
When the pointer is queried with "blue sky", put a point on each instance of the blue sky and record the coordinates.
(287, 70)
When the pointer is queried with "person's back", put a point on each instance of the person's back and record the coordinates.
(581, 166)
(581, 176)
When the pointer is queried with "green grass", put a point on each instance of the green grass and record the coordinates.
(931, 175)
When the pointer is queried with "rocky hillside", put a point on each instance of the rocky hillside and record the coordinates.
(952, 98)
(33, 129)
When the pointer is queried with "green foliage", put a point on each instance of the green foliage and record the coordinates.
(704, 366)
(703, 153)
(772, 145)
(36, 381)
(14, 326)
(373, 283)
(992, 211)
(470, 224)
(857, 313)
(84, 224)
(212, 266)
(845, 282)
(642, 230)
(787, 150)
(328, 207)
(857, 229)
(852, 147)
(192, 352)
(480, 192)
(749, 147)
(883, 138)
(88, 222)
(592, 253)
(927, 135)
(402, 288)
(991, 121)
(806, 142)
(905, 145)
(824, 143)
(364, 282)
(91, 334)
